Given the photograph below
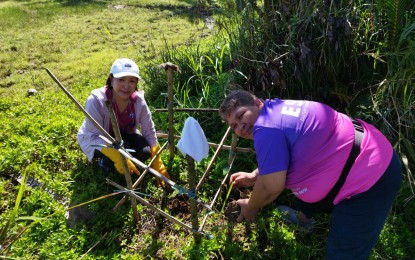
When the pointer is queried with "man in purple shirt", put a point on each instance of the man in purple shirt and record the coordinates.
(330, 162)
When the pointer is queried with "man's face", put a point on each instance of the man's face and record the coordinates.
(243, 118)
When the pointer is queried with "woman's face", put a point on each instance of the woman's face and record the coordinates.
(123, 87)
(243, 118)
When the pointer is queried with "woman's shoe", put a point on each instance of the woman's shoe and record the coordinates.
(106, 166)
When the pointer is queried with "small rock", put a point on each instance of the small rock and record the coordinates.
(31, 92)
(77, 215)
(119, 6)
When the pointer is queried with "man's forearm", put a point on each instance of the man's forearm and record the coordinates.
(261, 196)
(266, 189)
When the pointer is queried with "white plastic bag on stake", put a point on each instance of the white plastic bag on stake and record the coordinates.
(193, 140)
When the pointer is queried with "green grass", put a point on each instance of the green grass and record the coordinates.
(80, 42)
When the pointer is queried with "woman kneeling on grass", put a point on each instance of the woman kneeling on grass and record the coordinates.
(330, 162)
(131, 111)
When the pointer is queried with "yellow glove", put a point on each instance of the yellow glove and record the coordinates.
(158, 164)
(115, 156)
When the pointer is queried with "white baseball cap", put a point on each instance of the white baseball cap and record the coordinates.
(125, 67)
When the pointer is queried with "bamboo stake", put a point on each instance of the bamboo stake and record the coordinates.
(169, 68)
(213, 159)
(98, 126)
(171, 114)
(232, 155)
(143, 174)
(91, 248)
(159, 211)
(118, 139)
(192, 185)
(149, 165)
(233, 149)
(188, 110)
(224, 147)
(190, 194)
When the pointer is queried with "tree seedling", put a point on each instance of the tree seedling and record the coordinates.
(227, 196)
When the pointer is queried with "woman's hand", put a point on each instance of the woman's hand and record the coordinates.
(244, 179)
(248, 214)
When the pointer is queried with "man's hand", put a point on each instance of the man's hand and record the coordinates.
(248, 214)
(266, 189)
(244, 179)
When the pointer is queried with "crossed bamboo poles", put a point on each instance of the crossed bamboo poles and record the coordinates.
(129, 191)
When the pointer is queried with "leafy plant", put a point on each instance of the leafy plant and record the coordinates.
(396, 11)
(11, 219)
(227, 196)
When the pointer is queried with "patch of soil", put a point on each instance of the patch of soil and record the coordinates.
(244, 193)
(179, 206)
(232, 211)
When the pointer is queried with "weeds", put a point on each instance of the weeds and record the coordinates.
(11, 220)
(227, 196)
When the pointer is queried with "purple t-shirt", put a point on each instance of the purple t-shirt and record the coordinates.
(312, 142)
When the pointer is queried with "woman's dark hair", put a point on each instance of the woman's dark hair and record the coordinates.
(109, 79)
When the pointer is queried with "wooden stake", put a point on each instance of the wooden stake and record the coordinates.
(159, 211)
(191, 174)
(140, 179)
(98, 126)
(170, 68)
(213, 159)
(188, 110)
(223, 147)
(165, 179)
(233, 150)
(226, 171)
(118, 139)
